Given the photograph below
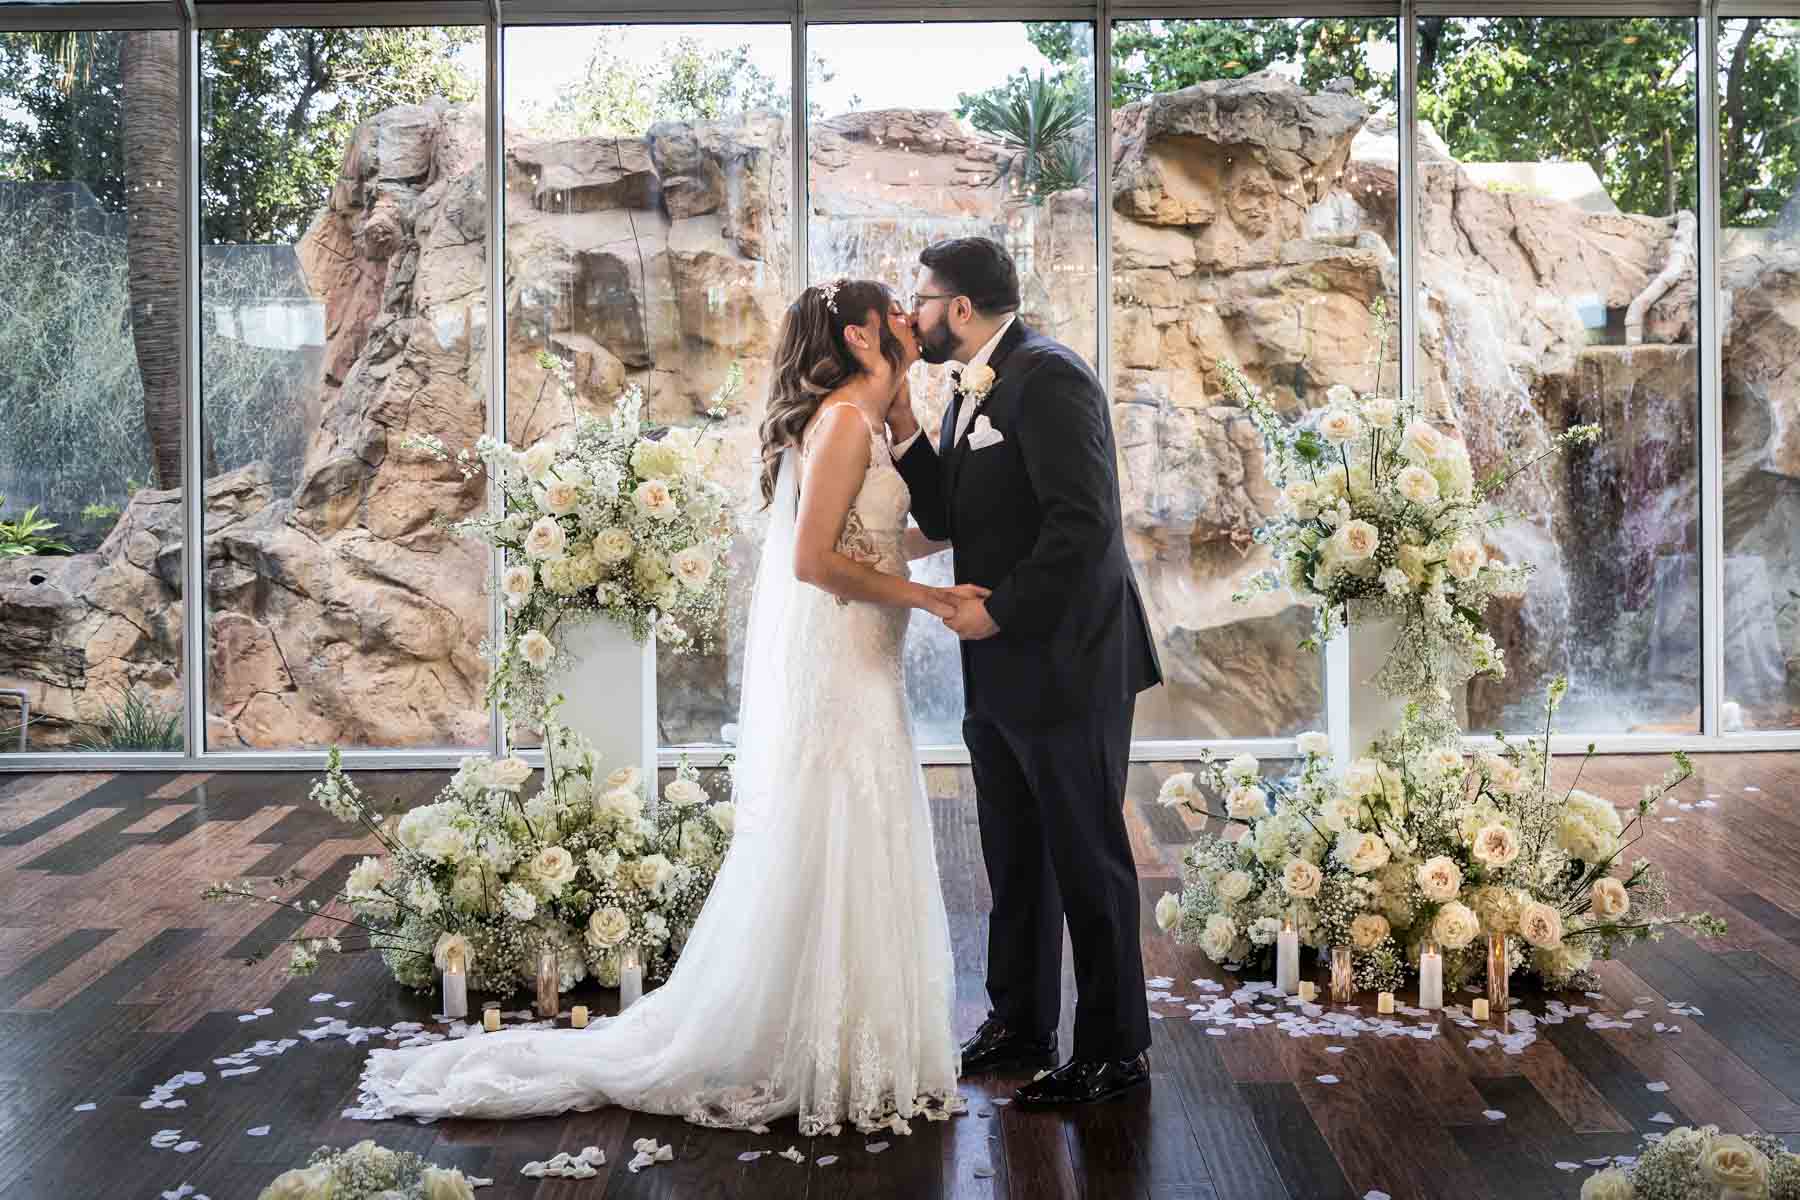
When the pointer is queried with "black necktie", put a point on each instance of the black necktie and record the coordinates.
(955, 403)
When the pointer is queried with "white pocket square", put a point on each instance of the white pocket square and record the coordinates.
(984, 435)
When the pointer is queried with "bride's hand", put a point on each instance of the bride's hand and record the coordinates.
(939, 602)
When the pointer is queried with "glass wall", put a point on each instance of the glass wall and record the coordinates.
(1557, 199)
(343, 216)
(648, 246)
(1759, 251)
(92, 260)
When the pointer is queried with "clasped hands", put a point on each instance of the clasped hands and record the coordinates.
(964, 611)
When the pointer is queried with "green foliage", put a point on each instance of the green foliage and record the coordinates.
(622, 95)
(1045, 124)
(135, 723)
(30, 534)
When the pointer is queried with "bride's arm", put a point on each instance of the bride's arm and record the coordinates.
(916, 545)
(837, 462)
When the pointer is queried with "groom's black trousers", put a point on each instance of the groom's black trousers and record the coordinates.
(1050, 800)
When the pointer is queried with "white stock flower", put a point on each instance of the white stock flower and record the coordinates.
(1313, 743)
(1610, 1184)
(1439, 878)
(554, 868)
(1168, 911)
(537, 649)
(1339, 425)
(693, 567)
(1361, 852)
(546, 539)
(1368, 930)
(1455, 926)
(1541, 925)
(518, 903)
(1394, 581)
(656, 927)
(423, 899)
(1466, 558)
(1356, 540)
(1417, 484)
(1300, 496)
(516, 585)
(365, 879)
(654, 499)
(1218, 937)
(657, 460)
(613, 545)
(1338, 813)
(1247, 803)
(684, 793)
(1363, 778)
(1379, 411)
(1590, 827)
(608, 926)
(1178, 789)
(1610, 898)
(537, 461)
(1495, 846)
(1233, 886)
(1301, 879)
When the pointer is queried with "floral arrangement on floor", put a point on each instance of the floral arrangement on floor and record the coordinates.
(1417, 842)
(1702, 1164)
(1381, 516)
(369, 1172)
(588, 865)
(613, 517)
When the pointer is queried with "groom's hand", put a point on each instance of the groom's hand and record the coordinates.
(971, 621)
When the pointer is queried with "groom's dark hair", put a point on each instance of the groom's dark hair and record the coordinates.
(977, 267)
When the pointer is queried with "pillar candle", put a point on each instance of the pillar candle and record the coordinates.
(1287, 960)
(631, 979)
(1431, 977)
(456, 994)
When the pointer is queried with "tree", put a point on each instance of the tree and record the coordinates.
(621, 94)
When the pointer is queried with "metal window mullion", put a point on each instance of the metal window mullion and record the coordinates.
(194, 623)
(799, 133)
(1103, 214)
(494, 369)
(341, 16)
(1711, 449)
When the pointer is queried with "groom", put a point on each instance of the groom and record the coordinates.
(1023, 482)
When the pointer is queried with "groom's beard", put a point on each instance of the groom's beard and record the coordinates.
(937, 344)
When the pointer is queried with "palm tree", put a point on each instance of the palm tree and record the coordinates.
(150, 100)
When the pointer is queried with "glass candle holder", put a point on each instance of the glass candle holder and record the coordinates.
(631, 977)
(1499, 968)
(1343, 976)
(549, 977)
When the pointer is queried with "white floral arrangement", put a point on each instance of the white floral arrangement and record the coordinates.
(1381, 516)
(1418, 843)
(611, 518)
(1701, 1164)
(588, 866)
(369, 1172)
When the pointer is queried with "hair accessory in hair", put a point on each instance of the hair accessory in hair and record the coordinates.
(830, 291)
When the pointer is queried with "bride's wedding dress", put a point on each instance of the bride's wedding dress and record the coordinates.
(818, 978)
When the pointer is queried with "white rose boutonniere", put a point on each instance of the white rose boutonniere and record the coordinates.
(976, 382)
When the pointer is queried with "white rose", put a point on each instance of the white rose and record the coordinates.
(1732, 1164)
(1610, 1184)
(1301, 879)
(519, 904)
(537, 461)
(310, 1183)
(1219, 936)
(1178, 789)
(446, 845)
(1356, 540)
(613, 545)
(1361, 852)
(1541, 925)
(554, 867)
(1368, 930)
(546, 539)
(1340, 395)
(608, 926)
(1495, 846)
(1455, 926)
(976, 381)
(624, 777)
(1233, 886)
(1379, 411)
(559, 497)
(537, 649)
(654, 499)
(1418, 485)
(1168, 911)
(684, 793)
(1505, 775)
(509, 774)
(1466, 559)
(1611, 900)
(1247, 803)
(623, 803)
(1244, 768)
(516, 585)
(1314, 744)
(1339, 425)
(1422, 440)
(1338, 813)
(1439, 878)
(693, 567)
(724, 815)
(439, 1184)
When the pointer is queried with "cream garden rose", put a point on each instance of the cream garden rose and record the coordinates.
(1610, 898)
(1728, 1161)
(654, 499)
(1339, 426)
(1233, 886)
(1610, 1184)
(537, 649)
(624, 777)
(1314, 743)
(1368, 930)
(559, 497)
(1361, 852)
(693, 567)
(537, 461)
(1301, 879)
(1417, 485)
(613, 545)
(516, 585)
(554, 868)
(1455, 926)
(1356, 540)
(1422, 440)
(608, 926)
(1247, 803)
(1541, 925)
(1495, 846)
(1466, 558)
(438, 1184)
(545, 539)
(1178, 789)
(1439, 878)
(1380, 411)
(684, 793)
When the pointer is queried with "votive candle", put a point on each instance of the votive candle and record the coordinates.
(1384, 1002)
(578, 1016)
(490, 1017)
(1431, 977)
(1309, 991)
(1478, 1008)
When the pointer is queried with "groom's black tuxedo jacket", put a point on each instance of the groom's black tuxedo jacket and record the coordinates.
(1036, 518)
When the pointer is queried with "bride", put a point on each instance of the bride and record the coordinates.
(817, 980)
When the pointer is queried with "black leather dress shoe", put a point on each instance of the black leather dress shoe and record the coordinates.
(997, 1048)
(1085, 1081)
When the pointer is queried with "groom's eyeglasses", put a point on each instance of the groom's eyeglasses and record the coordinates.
(919, 298)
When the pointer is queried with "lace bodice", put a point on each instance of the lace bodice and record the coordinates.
(876, 523)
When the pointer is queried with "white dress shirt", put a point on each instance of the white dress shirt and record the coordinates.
(966, 415)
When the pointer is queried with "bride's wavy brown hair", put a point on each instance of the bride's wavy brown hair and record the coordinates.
(812, 361)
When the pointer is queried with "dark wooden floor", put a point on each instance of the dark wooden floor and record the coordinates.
(115, 978)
